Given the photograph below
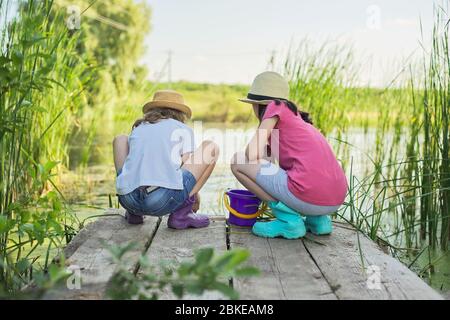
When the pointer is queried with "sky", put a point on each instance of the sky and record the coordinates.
(231, 41)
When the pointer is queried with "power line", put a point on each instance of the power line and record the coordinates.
(159, 75)
(108, 21)
(92, 15)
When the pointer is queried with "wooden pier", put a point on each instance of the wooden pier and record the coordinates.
(339, 266)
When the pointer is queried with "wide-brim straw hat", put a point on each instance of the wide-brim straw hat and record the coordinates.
(266, 87)
(168, 99)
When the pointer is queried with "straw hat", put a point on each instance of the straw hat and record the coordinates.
(168, 99)
(267, 87)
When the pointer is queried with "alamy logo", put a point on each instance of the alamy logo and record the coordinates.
(228, 141)
(373, 21)
(74, 280)
(73, 20)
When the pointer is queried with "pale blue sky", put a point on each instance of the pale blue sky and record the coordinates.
(231, 41)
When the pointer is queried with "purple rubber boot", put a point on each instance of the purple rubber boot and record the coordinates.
(133, 218)
(184, 217)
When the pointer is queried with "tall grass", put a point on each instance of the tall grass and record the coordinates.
(42, 89)
(319, 79)
(403, 203)
(56, 87)
(435, 210)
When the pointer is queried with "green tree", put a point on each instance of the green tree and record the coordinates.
(113, 33)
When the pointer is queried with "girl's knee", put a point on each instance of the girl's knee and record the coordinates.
(234, 168)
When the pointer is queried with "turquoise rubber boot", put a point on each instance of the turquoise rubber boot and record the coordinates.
(319, 225)
(288, 223)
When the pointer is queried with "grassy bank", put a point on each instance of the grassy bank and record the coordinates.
(359, 107)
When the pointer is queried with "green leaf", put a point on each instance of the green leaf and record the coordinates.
(50, 165)
(6, 224)
(222, 261)
(226, 290)
(22, 265)
(232, 259)
(40, 168)
(239, 256)
(55, 82)
(27, 227)
(25, 103)
(5, 73)
(17, 57)
(178, 290)
(55, 226)
(184, 269)
(4, 60)
(31, 41)
(204, 256)
(39, 109)
(195, 288)
(57, 273)
(117, 252)
(44, 56)
(3, 224)
(25, 216)
(247, 272)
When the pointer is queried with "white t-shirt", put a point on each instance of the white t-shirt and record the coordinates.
(154, 157)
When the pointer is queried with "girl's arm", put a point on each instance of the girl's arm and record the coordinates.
(256, 149)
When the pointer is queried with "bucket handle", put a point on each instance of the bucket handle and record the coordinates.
(240, 215)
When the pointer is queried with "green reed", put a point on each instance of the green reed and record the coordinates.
(435, 99)
(319, 78)
(56, 87)
(41, 92)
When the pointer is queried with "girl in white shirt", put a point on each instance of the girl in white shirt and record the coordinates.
(159, 171)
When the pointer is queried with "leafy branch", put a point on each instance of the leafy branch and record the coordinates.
(206, 272)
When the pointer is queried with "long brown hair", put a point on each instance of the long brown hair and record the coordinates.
(157, 114)
(290, 105)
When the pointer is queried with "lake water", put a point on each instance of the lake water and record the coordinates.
(91, 190)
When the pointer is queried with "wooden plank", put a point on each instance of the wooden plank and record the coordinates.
(341, 262)
(327, 267)
(287, 269)
(174, 246)
(90, 255)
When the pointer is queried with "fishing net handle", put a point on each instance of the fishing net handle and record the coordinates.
(226, 203)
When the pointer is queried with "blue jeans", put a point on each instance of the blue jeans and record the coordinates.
(159, 202)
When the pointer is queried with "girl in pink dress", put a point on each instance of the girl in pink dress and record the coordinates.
(307, 181)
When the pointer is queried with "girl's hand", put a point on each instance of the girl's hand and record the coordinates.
(196, 205)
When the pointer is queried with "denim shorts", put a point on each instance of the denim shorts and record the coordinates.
(159, 202)
(274, 181)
